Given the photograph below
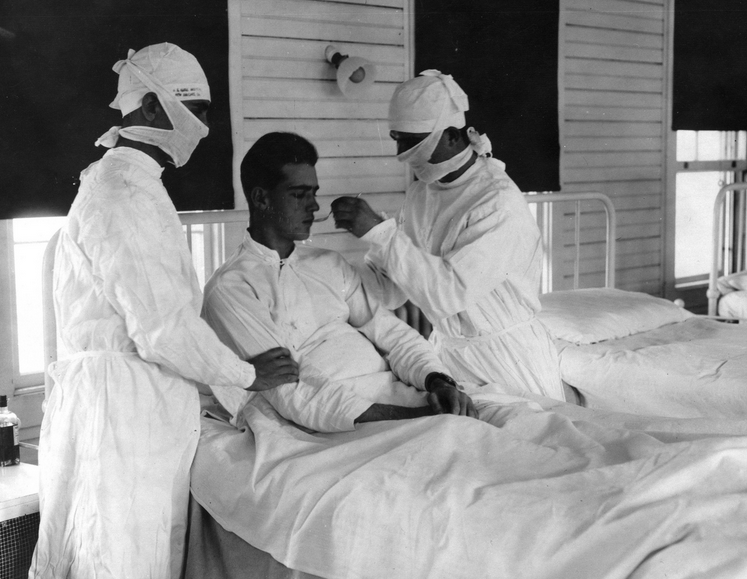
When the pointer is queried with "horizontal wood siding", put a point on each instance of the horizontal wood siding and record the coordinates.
(612, 95)
(286, 85)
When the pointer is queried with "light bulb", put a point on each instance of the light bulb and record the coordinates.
(358, 75)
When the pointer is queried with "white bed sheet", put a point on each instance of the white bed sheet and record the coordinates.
(689, 369)
(733, 300)
(733, 305)
(545, 496)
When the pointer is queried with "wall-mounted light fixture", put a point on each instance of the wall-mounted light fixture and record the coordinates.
(354, 75)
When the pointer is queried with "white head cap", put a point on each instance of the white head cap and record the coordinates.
(175, 69)
(427, 103)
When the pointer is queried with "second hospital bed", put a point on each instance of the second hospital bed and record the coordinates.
(632, 352)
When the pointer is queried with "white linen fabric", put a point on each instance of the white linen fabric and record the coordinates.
(548, 494)
(314, 304)
(733, 300)
(418, 158)
(693, 368)
(429, 102)
(586, 316)
(732, 282)
(175, 69)
(733, 305)
(214, 553)
(469, 255)
(122, 422)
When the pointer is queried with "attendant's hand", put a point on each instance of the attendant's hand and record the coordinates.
(446, 398)
(273, 368)
(354, 215)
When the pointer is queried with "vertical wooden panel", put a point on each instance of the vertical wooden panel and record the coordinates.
(613, 112)
(282, 82)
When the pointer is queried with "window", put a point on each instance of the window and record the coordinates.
(706, 161)
(30, 237)
(27, 240)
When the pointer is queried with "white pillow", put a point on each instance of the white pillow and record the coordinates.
(587, 316)
(733, 305)
(733, 282)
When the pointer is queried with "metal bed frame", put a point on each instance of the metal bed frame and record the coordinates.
(611, 229)
(720, 250)
(208, 225)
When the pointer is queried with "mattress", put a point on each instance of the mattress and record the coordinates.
(538, 495)
(733, 305)
(733, 300)
(693, 368)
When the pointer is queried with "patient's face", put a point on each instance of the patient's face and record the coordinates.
(292, 203)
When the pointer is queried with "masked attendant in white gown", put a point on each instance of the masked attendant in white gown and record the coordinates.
(122, 422)
(464, 248)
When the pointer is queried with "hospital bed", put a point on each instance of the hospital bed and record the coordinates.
(664, 350)
(633, 352)
(727, 293)
(276, 502)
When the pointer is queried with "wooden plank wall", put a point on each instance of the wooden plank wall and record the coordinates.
(286, 85)
(613, 116)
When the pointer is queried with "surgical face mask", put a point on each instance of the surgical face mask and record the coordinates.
(180, 142)
(418, 159)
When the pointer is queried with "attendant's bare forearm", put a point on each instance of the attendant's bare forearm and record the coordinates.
(377, 412)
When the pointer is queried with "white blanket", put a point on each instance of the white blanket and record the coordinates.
(733, 305)
(545, 496)
(733, 300)
(689, 369)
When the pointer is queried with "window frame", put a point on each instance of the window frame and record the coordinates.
(737, 168)
(692, 290)
(25, 392)
(12, 382)
(7, 311)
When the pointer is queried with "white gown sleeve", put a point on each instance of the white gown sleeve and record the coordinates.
(410, 356)
(380, 286)
(148, 279)
(497, 242)
(246, 326)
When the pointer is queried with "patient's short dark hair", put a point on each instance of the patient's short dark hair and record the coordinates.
(263, 163)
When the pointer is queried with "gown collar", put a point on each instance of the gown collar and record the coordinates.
(265, 253)
(138, 158)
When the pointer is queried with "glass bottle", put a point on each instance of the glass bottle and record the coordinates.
(10, 426)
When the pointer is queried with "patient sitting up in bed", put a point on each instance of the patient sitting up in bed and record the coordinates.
(556, 491)
(302, 311)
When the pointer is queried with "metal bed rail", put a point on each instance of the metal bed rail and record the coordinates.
(208, 225)
(611, 229)
(214, 255)
(206, 237)
(719, 248)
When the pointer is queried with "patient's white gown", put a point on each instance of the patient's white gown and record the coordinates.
(351, 351)
(469, 255)
(122, 423)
